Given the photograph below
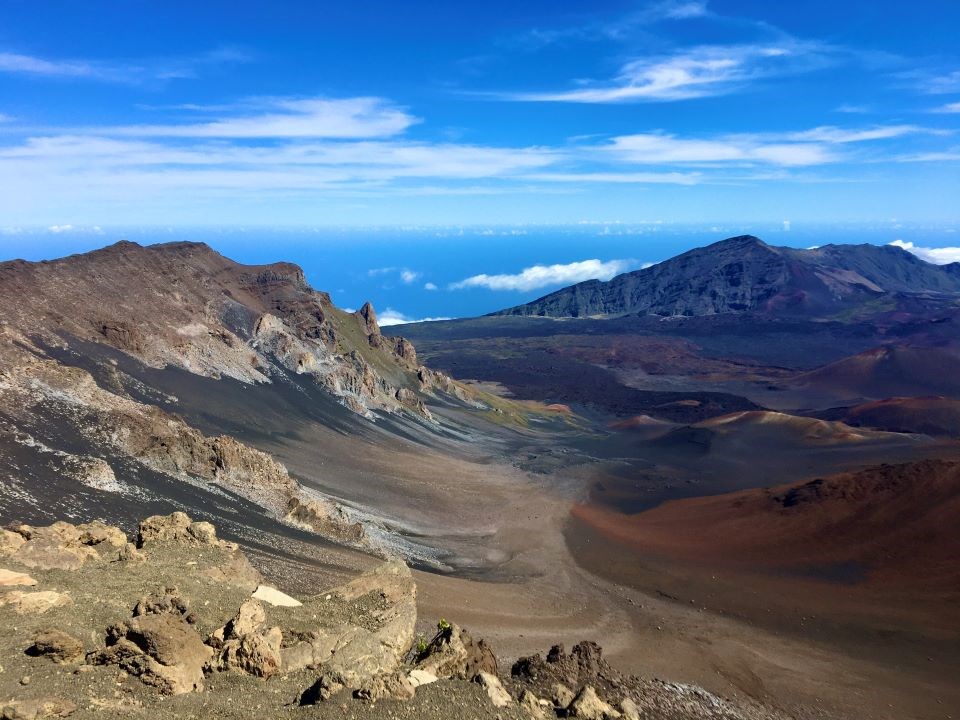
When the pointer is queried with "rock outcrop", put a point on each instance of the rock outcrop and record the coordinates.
(114, 651)
(184, 305)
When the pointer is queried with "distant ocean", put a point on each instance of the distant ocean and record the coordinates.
(407, 271)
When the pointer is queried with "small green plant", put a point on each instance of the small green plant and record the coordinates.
(421, 645)
(443, 625)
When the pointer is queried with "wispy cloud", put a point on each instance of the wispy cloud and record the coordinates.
(60, 229)
(693, 73)
(831, 134)
(647, 178)
(938, 156)
(394, 317)
(949, 108)
(539, 276)
(118, 71)
(31, 65)
(360, 117)
(430, 286)
(932, 82)
(664, 149)
(618, 27)
(406, 275)
(801, 148)
(310, 148)
(938, 256)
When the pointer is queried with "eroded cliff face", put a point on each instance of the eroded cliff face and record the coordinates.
(36, 390)
(184, 305)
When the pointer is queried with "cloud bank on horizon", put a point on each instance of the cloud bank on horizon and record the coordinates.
(541, 276)
(670, 108)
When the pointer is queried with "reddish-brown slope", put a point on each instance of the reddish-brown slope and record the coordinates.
(936, 415)
(901, 523)
(890, 371)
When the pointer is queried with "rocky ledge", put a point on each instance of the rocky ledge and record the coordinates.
(177, 621)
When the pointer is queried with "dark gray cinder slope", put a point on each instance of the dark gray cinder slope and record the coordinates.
(744, 274)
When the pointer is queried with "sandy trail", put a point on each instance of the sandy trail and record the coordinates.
(543, 596)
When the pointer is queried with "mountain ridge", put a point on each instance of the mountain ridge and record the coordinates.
(744, 274)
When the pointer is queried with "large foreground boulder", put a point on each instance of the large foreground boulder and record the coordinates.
(244, 645)
(60, 546)
(379, 612)
(158, 645)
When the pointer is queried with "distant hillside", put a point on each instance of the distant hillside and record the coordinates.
(744, 274)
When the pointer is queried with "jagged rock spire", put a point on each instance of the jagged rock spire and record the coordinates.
(368, 319)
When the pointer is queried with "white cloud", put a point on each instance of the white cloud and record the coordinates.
(831, 134)
(429, 286)
(91, 169)
(949, 108)
(669, 178)
(406, 275)
(60, 229)
(394, 317)
(937, 256)
(682, 10)
(30, 65)
(663, 149)
(539, 276)
(806, 147)
(656, 12)
(851, 109)
(935, 84)
(359, 117)
(950, 155)
(698, 72)
(118, 71)
(4, 118)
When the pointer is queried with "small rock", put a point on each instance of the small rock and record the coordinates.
(495, 690)
(96, 533)
(454, 653)
(57, 645)
(531, 703)
(326, 686)
(386, 687)
(177, 527)
(10, 542)
(629, 709)
(248, 619)
(588, 705)
(25, 680)
(204, 532)
(10, 577)
(561, 695)
(35, 603)
(129, 553)
(419, 677)
(48, 707)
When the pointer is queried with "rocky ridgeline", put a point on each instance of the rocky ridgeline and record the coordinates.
(184, 305)
(178, 621)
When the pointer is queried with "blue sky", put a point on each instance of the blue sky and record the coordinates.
(140, 116)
